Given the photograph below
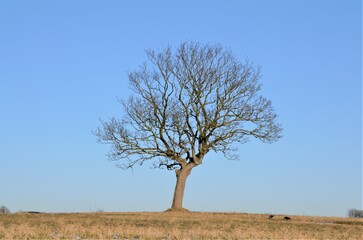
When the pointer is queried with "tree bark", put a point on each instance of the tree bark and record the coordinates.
(181, 177)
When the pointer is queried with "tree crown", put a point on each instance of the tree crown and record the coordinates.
(187, 102)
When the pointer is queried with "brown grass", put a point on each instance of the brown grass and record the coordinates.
(175, 225)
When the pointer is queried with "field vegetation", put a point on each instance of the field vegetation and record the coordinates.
(175, 225)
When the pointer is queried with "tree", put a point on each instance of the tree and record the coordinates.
(354, 213)
(185, 103)
(4, 209)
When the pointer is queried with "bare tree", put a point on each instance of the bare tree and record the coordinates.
(187, 102)
(4, 209)
(355, 213)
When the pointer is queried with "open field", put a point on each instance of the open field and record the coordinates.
(175, 225)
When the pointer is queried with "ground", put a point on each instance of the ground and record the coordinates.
(175, 225)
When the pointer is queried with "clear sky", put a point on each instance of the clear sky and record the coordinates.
(64, 63)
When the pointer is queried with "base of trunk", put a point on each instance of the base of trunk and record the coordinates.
(177, 210)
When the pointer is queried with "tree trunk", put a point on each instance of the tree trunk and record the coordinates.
(181, 177)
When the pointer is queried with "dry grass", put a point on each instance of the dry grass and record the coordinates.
(174, 225)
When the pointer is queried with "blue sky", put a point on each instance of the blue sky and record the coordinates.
(63, 64)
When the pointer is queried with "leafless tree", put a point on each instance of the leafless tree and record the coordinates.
(355, 213)
(4, 209)
(188, 101)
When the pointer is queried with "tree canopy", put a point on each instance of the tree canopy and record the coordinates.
(186, 103)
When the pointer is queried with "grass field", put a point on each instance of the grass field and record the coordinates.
(175, 225)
